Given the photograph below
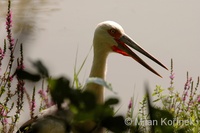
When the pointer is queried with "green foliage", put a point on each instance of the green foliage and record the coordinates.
(169, 112)
(161, 120)
(84, 107)
(22, 74)
(76, 82)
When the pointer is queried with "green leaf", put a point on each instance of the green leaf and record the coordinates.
(155, 93)
(84, 116)
(156, 100)
(89, 100)
(111, 101)
(59, 89)
(162, 119)
(159, 118)
(115, 124)
(76, 73)
(41, 68)
(24, 75)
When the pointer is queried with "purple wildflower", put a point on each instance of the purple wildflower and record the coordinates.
(42, 93)
(4, 119)
(130, 104)
(186, 88)
(21, 66)
(198, 99)
(2, 53)
(129, 108)
(44, 96)
(8, 29)
(10, 78)
(9, 32)
(185, 95)
(187, 84)
(33, 105)
(172, 76)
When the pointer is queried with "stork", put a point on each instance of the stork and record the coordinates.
(108, 37)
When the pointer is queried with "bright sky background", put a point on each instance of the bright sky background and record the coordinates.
(166, 29)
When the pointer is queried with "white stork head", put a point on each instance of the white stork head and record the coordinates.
(110, 37)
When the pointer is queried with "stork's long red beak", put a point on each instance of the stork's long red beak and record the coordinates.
(123, 49)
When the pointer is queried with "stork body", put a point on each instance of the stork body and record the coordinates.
(108, 37)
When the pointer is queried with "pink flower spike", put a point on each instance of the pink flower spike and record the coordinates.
(4, 114)
(198, 99)
(10, 78)
(130, 104)
(42, 93)
(12, 40)
(21, 67)
(172, 76)
(33, 105)
(184, 98)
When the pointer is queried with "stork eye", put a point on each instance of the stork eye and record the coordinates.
(112, 31)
